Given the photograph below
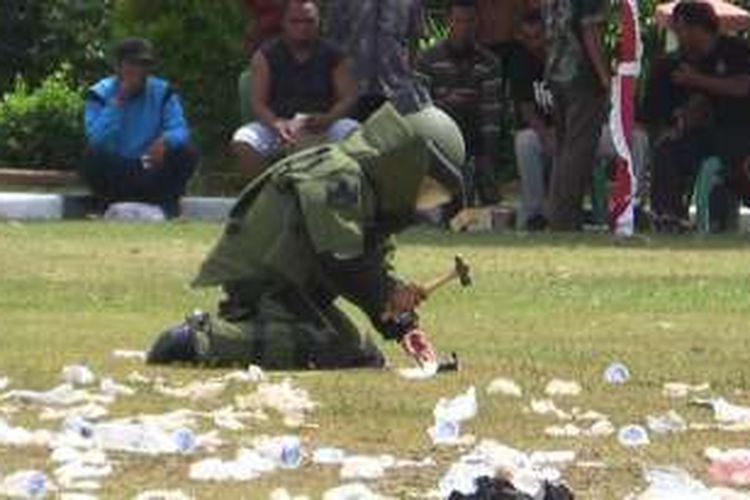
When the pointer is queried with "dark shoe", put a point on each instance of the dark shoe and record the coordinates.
(178, 344)
(536, 223)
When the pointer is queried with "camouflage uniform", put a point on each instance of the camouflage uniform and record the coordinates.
(314, 227)
(474, 71)
(580, 106)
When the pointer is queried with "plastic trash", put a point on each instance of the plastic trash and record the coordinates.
(726, 412)
(194, 391)
(89, 411)
(285, 451)
(362, 467)
(292, 403)
(681, 390)
(143, 438)
(504, 386)
(129, 354)
(354, 491)
(62, 395)
(111, 388)
(4, 383)
(26, 484)
(445, 432)
(328, 456)
(162, 495)
(459, 409)
(79, 426)
(548, 407)
(18, 436)
(633, 436)
(557, 387)
(617, 374)
(424, 372)
(130, 211)
(79, 375)
(672, 483)
(249, 464)
(669, 423)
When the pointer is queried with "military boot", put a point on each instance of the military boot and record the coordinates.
(179, 344)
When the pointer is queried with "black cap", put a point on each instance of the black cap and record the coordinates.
(137, 50)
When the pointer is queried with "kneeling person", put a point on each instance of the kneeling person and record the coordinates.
(317, 226)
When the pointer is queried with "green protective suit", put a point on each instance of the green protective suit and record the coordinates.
(314, 227)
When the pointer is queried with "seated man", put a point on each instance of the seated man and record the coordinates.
(138, 140)
(301, 86)
(317, 227)
(535, 139)
(464, 80)
(698, 105)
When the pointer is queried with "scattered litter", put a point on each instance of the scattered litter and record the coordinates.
(362, 467)
(672, 483)
(669, 423)
(291, 402)
(162, 495)
(253, 375)
(138, 378)
(726, 412)
(77, 496)
(111, 388)
(141, 438)
(26, 484)
(557, 458)
(633, 436)
(62, 395)
(567, 430)
(328, 456)
(559, 387)
(90, 411)
(461, 408)
(283, 494)
(78, 375)
(4, 383)
(490, 457)
(194, 391)
(131, 211)
(500, 488)
(248, 465)
(504, 386)
(548, 407)
(18, 436)
(424, 372)
(729, 467)
(617, 374)
(285, 451)
(353, 491)
(680, 390)
(129, 354)
(449, 413)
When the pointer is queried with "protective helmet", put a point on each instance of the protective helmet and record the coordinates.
(446, 145)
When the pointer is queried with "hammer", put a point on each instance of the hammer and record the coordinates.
(460, 272)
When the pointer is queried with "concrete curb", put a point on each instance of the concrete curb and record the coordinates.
(48, 207)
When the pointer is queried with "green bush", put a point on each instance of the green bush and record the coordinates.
(42, 128)
(199, 46)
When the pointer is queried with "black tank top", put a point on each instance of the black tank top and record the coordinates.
(301, 87)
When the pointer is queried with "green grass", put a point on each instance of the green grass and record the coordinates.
(541, 307)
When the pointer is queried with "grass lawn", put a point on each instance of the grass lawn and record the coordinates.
(542, 307)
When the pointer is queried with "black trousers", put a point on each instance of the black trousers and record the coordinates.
(112, 178)
(677, 161)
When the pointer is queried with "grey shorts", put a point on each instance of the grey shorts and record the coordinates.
(267, 142)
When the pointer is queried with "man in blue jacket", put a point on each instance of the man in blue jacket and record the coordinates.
(138, 139)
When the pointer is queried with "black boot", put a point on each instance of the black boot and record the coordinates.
(178, 344)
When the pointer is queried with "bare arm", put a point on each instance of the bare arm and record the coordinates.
(593, 37)
(261, 90)
(345, 89)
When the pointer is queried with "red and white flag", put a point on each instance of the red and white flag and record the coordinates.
(622, 119)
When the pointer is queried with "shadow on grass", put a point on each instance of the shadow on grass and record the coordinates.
(437, 238)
